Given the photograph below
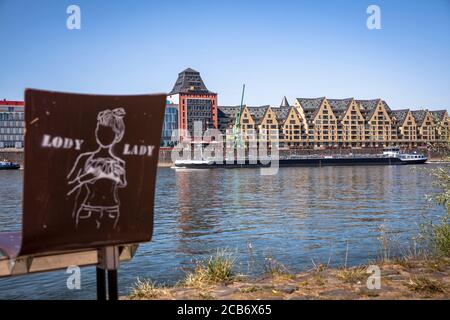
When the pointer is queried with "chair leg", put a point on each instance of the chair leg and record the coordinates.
(113, 292)
(101, 284)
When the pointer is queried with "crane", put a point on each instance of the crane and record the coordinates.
(237, 123)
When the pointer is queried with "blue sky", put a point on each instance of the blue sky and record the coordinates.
(292, 48)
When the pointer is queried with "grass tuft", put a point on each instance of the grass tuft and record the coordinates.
(441, 238)
(216, 269)
(250, 289)
(275, 269)
(352, 275)
(143, 289)
(426, 285)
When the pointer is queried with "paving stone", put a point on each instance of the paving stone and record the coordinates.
(223, 292)
(286, 289)
(301, 298)
(394, 277)
(341, 293)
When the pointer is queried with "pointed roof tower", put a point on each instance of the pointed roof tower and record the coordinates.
(189, 81)
(284, 103)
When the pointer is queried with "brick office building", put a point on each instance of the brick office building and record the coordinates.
(195, 103)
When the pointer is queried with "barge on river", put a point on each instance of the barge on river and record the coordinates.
(390, 156)
(8, 165)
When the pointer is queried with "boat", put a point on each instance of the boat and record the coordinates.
(8, 165)
(390, 156)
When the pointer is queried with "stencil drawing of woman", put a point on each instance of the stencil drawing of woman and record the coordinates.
(96, 176)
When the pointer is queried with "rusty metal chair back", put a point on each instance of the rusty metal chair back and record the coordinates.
(89, 171)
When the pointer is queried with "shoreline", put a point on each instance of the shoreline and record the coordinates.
(401, 279)
(165, 159)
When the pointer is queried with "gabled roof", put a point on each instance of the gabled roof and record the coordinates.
(258, 113)
(311, 103)
(189, 81)
(419, 116)
(231, 112)
(400, 116)
(340, 106)
(228, 111)
(368, 107)
(310, 106)
(282, 113)
(386, 106)
(439, 114)
(368, 104)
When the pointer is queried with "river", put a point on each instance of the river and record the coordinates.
(297, 217)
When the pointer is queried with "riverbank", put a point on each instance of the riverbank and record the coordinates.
(401, 279)
(420, 270)
(165, 156)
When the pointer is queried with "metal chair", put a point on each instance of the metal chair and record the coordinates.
(89, 182)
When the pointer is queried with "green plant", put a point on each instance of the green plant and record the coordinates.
(216, 269)
(436, 236)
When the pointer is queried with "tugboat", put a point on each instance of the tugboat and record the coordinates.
(8, 165)
(390, 156)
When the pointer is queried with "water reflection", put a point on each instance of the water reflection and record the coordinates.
(298, 215)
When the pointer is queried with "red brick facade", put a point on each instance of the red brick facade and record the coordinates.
(183, 115)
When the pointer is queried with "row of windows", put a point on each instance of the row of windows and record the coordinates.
(198, 115)
(170, 118)
(200, 120)
(12, 124)
(198, 108)
(11, 137)
(11, 144)
(198, 102)
(11, 130)
(12, 116)
(171, 110)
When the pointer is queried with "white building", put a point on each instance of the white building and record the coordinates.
(12, 123)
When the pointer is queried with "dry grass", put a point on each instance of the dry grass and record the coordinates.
(144, 289)
(426, 285)
(352, 275)
(405, 262)
(276, 269)
(319, 267)
(250, 289)
(436, 264)
(206, 296)
(319, 280)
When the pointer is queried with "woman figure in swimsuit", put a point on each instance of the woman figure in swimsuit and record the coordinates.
(97, 176)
